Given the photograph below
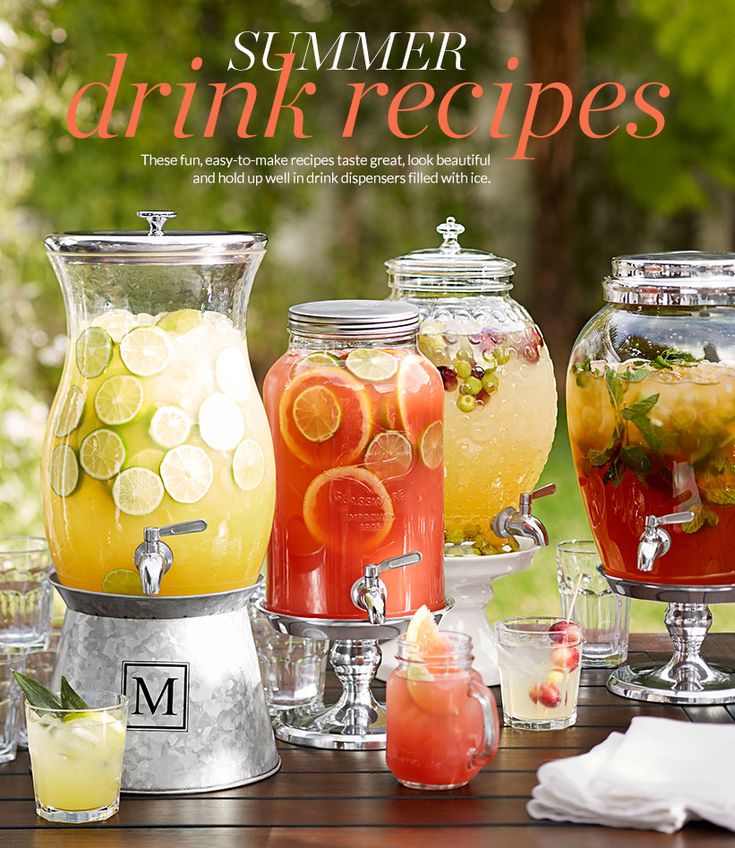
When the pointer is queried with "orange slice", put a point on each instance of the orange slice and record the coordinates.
(389, 455)
(317, 414)
(348, 509)
(424, 635)
(431, 445)
(420, 394)
(349, 438)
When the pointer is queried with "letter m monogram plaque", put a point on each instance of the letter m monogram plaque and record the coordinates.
(159, 695)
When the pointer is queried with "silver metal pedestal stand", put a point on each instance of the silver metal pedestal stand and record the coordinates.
(686, 678)
(357, 721)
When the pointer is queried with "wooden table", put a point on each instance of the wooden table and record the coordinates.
(327, 798)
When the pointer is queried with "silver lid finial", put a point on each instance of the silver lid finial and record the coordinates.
(156, 221)
(450, 231)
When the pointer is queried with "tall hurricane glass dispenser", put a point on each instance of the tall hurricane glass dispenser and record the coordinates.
(157, 419)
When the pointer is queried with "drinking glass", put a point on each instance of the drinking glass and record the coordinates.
(539, 673)
(77, 758)
(25, 594)
(603, 615)
(9, 713)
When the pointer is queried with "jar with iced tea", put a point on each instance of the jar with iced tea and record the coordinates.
(356, 416)
(498, 380)
(651, 411)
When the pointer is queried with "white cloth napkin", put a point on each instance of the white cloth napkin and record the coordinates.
(656, 776)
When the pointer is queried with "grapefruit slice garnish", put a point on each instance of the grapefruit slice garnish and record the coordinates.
(348, 509)
(419, 393)
(389, 455)
(336, 388)
(424, 635)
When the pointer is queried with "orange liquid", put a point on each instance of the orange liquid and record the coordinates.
(339, 506)
(433, 729)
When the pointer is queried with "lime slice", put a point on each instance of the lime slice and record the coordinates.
(122, 581)
(431, 445)
(181, 321)
(232, 372)
(63, 470)
(320, 359)
(220, 422)
(390, 454)
(145, 351)
(117, 322)
(70, 413)
(118, 399)
(102, 454)
(170, 426)
(317, 413)
(93, 351)
(187, 473)
(137, 491)
(371, 365)
(248, 465)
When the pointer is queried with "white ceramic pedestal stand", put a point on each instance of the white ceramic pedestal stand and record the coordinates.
(469, 579)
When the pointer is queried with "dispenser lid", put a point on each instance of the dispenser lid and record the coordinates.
(355, 319)
(155, 244)
(678, 278)
(450, 266)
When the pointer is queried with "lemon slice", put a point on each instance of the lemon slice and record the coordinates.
(137, 491)
(248, 465)
(232, 372)
(431, 445)
(122, 581)
(93, 351)
(102, 454)
(371, 365)
(187, 473)
(70, 413)
(390, 454)
(220, 422)
(317, 413)
(181, 321)
(118, 399)
(170, 426)
(117, 322)
(63, 470)
(145, 351)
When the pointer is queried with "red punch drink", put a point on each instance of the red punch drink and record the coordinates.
(356, 416)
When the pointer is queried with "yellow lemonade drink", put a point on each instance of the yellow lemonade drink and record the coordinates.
(157, 421)
(77, 758)
(499, 421)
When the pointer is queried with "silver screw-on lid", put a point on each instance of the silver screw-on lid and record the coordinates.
(354, 319)
(679, 278)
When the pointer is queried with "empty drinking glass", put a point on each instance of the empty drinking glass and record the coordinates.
(25, 594)
(603, 616)
(10, 700)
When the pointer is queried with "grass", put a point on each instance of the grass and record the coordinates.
(534, 591)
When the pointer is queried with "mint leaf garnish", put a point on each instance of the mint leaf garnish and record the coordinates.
(669, 358)
(614, 387)
(71, 700)
(640, 408)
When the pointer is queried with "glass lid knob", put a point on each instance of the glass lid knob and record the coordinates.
(450, 231)
(156, 221)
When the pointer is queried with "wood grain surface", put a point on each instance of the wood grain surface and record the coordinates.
(329, 798)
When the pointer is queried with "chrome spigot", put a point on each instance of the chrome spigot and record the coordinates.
(153, 558)
(655, 541)
(520, 523)
(369, 593)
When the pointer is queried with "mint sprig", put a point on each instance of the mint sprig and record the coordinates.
(42, 698)
(670, 357)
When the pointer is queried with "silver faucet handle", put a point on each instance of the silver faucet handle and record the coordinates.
(393, 562)
(156, 220)
(183, 528)
(528, 497)
(654, 521)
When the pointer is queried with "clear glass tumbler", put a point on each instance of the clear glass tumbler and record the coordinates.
(26, 596)
(603, 615)
(10, 699)
(539, 673)
(77, 758)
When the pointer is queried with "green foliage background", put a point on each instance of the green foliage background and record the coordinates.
(674, 192)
